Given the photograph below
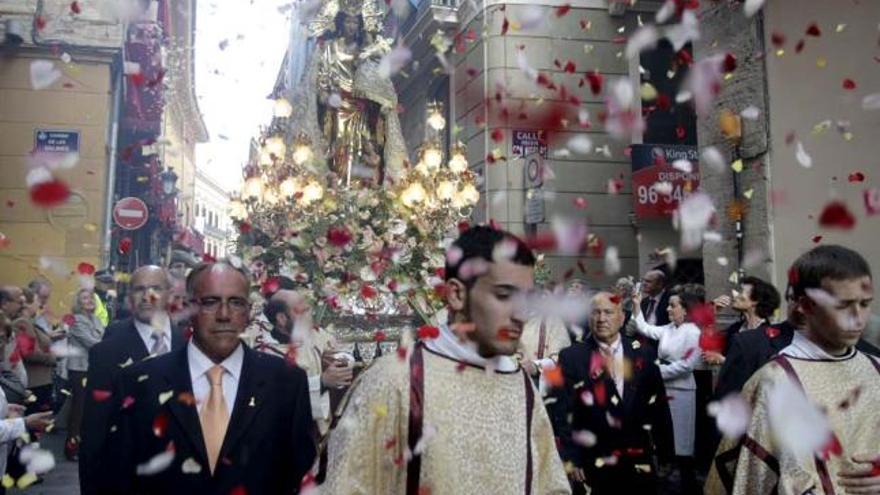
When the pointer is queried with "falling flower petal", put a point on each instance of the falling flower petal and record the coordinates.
(686, 31)
(584, 438)
(157, 463)
(580, 144)
(752, 6)
(394, 61)
(43, 74)
(802, 157)
(871, 102)
(796, 424)
(872, 201)
(38, 461)
(570, 236)
(750, 113)
(665, 12)
(646, 37)
(836, 215)
(50, 194)
(692, 217)
(732, 415)
(612, 261)
(713, 158)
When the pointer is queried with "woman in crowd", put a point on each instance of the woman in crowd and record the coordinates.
(85, 332)
(679, 353)
(39, 362)
(12, 424)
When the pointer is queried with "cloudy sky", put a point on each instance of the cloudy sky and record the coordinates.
(240, 45)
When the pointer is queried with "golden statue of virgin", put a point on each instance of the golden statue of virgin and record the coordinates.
(349, 108)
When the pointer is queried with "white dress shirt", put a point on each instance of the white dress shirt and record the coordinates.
(199, 364)
(162, 327)
(616, 351)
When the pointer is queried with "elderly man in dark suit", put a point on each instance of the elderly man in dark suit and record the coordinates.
(215, 416)
(656, 298)
(148, 333)
(611, 415)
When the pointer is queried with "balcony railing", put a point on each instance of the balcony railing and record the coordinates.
(425, 6)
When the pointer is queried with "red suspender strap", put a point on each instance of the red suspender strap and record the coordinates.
(416, 418)
(530, 405)
(821, 466)
(542, 337)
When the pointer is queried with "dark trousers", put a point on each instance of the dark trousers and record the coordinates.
(77, 403)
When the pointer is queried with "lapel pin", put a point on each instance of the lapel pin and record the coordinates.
(252, 403)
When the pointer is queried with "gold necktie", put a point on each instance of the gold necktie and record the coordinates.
(214, 416)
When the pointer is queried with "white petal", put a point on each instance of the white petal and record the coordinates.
(584, 438)
(665, 12)
(752, 6)
(157, 464)
(38, 175)
(612, 261)
(686, 31)
(61, 349)
(43, 74)
(797, 425)
(664, 188)
(394, 61)
(751, 113)
(37, 460)
(802, 156)
(732, 415)
(713, 158)
(693, 216)
(646, 37)
(871, 102)
(684, 165)
(570, 236)
(580, 144)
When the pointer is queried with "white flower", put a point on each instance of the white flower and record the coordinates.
(367, 274)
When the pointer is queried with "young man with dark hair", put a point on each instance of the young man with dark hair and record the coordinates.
(455, 414)
(832, 289)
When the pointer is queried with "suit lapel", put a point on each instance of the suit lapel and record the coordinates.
(248, 401)
(185, 411)
(134, 343)
(177, 340)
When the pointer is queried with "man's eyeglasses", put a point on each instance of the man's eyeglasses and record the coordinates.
(140, 289)
(236, 305)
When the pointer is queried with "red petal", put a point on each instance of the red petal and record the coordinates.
(101, 395)
(505, 26)
(125, 245)
(729, 63)
(428, 332)
(836, 215)
(270, 286)
(553, 376)
(817, 239)
(799, 47)
(595, 79)
(813, 30)
(570, 67)
(778, 39)
(68, 319)
(497, 135)
(563, 10)
(75, 8)
(849, 84)
(160, 425)
(85, 269)
(857, 177)
(50, 194)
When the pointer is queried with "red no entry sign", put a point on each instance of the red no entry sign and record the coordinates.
(130, 213)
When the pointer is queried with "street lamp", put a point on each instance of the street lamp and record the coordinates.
(169, 181)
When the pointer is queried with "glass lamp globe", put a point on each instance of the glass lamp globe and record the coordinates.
(312, 192)
(289, 187)
(432, 157)
(275, 145)
(253, 188)
(282, 108)
(446, 190)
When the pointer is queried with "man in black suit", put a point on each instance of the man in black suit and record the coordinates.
(149, 332)
(656, 298)
(189, 424)
(611, 413)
